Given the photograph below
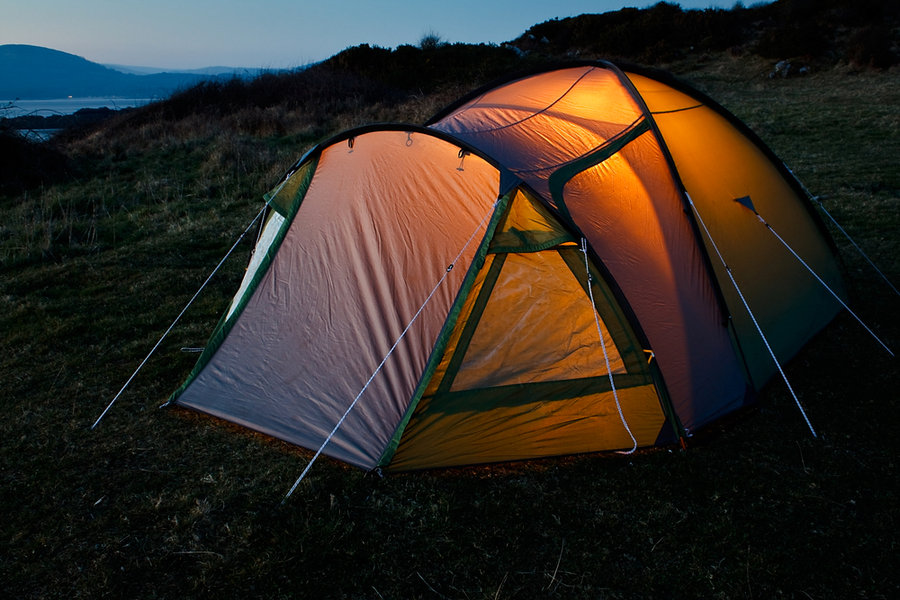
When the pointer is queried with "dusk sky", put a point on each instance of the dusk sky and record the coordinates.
(185, 34)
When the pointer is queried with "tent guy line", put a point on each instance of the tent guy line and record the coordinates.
(178, 318)
(844, 232)
(756, 324)
(612, 381)
(855, 245)
(825, 285)
(394, 347)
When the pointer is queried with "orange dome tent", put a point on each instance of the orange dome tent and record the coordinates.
(586, 258)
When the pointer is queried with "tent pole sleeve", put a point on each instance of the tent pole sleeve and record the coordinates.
(498, 209)
(559, 178)
(676, 178)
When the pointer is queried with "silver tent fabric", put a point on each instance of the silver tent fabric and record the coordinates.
(381, 221)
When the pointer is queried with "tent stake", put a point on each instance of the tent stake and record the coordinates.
(184, 310)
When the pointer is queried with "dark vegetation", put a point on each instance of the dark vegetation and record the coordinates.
(819, 31)
(24, 164)
(107, 231)
(80, 119)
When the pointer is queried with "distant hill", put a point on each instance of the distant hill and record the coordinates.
(33, 72)
(205, 71)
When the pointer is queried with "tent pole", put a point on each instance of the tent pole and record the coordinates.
(184, 310)
(752, 316)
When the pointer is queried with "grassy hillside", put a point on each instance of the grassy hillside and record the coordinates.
(96, 261)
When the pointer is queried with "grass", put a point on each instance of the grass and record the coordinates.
(166, 503)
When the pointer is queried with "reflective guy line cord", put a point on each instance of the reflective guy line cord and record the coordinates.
(820, 280)
(862, 253)
(181, 314)
(612, 383)
(750, 312)
(391, 351)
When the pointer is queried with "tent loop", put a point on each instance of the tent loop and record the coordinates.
(384, 360)
(409, 141)
(184, 310)
(612, 382)
(750, 312)
(463, 153)
(820, 280)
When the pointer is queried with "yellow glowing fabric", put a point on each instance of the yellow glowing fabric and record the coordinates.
(524, 373)
(719, 165)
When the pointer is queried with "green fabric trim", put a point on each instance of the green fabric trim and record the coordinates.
(275, 201)
(605, 304)
(533, 234)
(559, 178)
(286, 203)
(465, 337)
(447, 330)
(479, 400)
(521, 242)
(224, 325)
(284, 198)
(665, 402)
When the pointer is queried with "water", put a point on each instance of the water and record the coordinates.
(64, 106)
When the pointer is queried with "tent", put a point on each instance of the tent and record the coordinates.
(580, 259)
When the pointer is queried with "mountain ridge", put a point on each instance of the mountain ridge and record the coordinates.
(30, 72)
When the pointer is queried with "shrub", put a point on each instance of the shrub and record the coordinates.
(871, 47)
(26, 164)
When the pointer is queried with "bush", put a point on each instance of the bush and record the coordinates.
(26, 164)
(871, 47)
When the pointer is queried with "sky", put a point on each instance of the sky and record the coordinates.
(274, 34)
